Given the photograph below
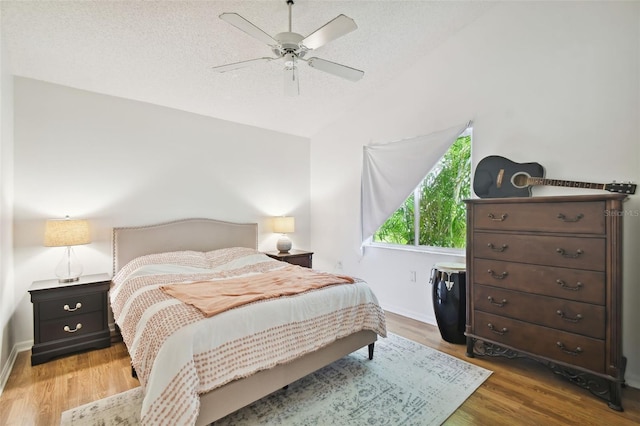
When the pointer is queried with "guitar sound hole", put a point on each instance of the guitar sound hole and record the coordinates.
(519, 180)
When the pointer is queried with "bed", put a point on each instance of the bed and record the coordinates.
(208, 367)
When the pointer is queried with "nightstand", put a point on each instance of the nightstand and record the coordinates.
(69, 317)
(295, 257)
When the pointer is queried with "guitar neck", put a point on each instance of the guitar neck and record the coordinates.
(566, 183)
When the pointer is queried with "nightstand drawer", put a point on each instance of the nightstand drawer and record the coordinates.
(300, 261)
(294, 257)
(65, 328)
(70, 306)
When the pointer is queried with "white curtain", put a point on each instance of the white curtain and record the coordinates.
(390, 173)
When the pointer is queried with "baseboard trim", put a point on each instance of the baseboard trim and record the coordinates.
(418, 316)
(8, 366)
(6, 369)
(632, 380)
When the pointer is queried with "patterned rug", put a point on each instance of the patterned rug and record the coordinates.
(406, 383)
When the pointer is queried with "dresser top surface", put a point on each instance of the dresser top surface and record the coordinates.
(54, 284)
(549, 199)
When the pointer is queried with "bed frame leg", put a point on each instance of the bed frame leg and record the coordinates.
(133, 373)
(371, 346)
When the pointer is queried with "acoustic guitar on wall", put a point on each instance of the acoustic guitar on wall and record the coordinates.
(499, 177)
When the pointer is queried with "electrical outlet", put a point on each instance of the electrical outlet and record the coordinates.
(339, 265)
(412, 276)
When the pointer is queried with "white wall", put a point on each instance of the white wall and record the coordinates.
(123, 163)
(6, 210)
(552, 82)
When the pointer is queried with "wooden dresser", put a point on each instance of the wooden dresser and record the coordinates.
(544, 281)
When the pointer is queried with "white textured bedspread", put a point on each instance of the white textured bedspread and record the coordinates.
(179, 354)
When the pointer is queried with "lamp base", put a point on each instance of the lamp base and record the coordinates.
(69, 269)
(284, 244)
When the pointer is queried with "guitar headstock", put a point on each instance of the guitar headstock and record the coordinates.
(622, 188)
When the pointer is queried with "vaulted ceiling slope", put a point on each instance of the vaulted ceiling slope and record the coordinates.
(161, 52)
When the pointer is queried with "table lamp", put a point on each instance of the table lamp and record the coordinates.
(284, 225)
(66, 233)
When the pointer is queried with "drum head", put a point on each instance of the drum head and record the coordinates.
(450, 267)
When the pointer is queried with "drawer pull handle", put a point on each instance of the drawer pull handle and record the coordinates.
(497, 219)
(499, 304)
(497, 249)
(69, 330)
(70, 309)
(500, 332)
(501, 276)
(577, 352)
(563, 253)
(566, 318)
(567, 287)
(566, 219)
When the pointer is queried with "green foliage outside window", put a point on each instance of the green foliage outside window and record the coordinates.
(442, 214)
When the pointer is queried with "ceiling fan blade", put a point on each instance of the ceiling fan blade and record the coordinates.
(332, 30)
(335, 69)
(243, 64)
(291, 82)
(246, 26)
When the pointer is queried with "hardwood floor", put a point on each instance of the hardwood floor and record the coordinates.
(519, 392)
(38, 395)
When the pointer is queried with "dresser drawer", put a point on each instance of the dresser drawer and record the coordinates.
(77, 325)
(580, 318)
(575, 284)
(558, 345)
(587, 217)
(71, 305)
(568, 252)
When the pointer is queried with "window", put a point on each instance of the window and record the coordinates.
(440, 219)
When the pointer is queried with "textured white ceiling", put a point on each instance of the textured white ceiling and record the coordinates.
(160, 52)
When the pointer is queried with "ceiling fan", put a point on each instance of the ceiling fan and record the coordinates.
(292, 47)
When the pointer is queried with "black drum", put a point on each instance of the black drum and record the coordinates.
(450, 300)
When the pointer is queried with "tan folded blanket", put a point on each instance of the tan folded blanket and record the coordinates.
(214, 297)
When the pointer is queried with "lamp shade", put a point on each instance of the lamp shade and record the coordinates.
(283, 224)
(66, 232)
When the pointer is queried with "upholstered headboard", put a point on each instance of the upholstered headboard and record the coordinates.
(186, 234)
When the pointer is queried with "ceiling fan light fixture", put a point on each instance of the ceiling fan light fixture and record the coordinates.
(290, 61)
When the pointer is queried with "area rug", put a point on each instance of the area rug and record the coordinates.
(406, 383)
